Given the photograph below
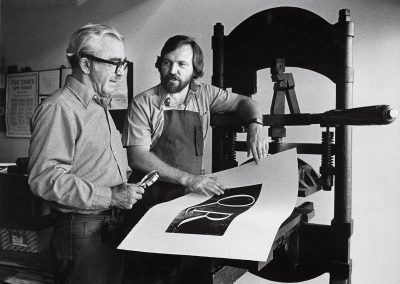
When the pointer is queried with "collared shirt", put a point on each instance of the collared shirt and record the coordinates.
(75, 155)
(145, 118)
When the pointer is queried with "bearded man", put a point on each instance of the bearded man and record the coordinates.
(167, 125)
(165, 130)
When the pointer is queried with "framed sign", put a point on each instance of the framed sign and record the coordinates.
(2, 110)
(122, 97)
(49, 81)
(21, 101)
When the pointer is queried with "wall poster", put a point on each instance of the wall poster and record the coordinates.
(21, 101)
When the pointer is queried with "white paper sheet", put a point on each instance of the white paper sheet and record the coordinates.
(248, 236)
(254, 279)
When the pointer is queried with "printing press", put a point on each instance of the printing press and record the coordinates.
(292, 37)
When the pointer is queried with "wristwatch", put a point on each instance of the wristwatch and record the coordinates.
(254, 120)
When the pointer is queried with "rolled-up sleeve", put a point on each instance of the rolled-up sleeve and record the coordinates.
(137, 128)
(52, 154)
(220, 100)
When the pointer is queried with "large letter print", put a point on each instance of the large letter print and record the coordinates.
(213, 216)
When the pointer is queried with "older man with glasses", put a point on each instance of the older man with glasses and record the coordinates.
(77, 164)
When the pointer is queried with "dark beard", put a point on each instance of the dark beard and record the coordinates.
(170, 87)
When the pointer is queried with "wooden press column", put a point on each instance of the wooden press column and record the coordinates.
(223, 139)
(342, 222)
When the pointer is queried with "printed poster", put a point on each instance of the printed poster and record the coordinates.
(22, 99)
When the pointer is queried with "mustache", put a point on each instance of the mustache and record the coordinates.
(172, 77)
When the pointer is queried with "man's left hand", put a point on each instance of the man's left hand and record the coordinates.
(257, 144)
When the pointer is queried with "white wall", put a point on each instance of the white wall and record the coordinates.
(38, 37)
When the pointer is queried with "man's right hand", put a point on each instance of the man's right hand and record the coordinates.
(125, 195)
(203, 184)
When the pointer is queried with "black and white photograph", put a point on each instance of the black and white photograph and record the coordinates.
(199, 142)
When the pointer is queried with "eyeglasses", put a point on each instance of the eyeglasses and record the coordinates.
(118, 64)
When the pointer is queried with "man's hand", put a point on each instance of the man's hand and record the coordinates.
(125, 195)
(203, 184)
(256, 143)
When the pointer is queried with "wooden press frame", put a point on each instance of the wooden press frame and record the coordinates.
(304, 40)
